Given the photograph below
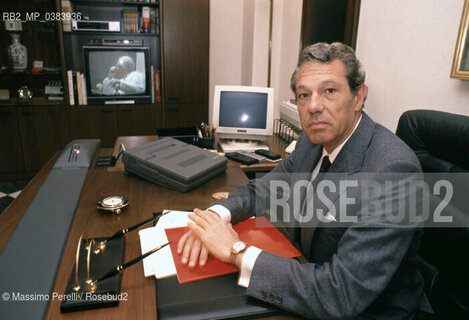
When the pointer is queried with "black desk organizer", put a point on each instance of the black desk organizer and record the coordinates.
(107, 291)
(187, 135)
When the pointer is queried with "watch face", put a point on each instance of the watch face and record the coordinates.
(238, 246)
(113, 201)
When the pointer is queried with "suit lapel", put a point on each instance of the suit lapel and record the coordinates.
(303, 173)
(348, 161)
(313, 158)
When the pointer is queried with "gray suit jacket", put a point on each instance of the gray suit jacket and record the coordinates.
(355, 271)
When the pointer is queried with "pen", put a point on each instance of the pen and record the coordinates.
(120, 268)
(120, 233)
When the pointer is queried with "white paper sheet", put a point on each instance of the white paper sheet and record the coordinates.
(161, 263)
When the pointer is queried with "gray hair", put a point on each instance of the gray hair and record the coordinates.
(327, 52)
(128, 62)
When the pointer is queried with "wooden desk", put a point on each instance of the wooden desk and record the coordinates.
(144, 198)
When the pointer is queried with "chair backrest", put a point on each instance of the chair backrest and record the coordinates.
(440, 139)
(441, 142)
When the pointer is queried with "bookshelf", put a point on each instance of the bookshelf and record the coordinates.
(33, 35)
(179, 50)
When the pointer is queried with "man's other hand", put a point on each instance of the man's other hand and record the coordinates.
(192, 250)
(216, 235)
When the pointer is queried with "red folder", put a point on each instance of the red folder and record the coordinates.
(258, 232)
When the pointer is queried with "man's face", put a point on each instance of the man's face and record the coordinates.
(121, 69)
(328, 109)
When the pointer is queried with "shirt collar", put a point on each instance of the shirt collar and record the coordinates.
(336, 151)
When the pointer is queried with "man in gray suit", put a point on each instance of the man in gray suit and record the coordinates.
(360, 269)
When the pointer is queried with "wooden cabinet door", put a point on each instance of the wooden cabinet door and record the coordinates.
(138, 120)
(185, 50)
(94, 122)
(185, 115)
(44, 130)
(11, 155)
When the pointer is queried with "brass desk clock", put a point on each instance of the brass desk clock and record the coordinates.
(113, 204)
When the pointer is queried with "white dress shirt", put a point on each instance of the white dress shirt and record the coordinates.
(251, 253)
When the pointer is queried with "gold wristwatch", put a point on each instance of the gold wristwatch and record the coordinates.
(237, 248)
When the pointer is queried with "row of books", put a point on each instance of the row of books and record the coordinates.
(77, 88)
(134, 20)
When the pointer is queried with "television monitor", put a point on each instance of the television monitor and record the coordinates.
(243, 116)
(117, 75)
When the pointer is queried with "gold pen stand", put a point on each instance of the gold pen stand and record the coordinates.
(82, 292)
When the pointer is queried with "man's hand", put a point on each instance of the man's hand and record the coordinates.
(216, 235)
(112, 72)
(116, 84)
(192, 250)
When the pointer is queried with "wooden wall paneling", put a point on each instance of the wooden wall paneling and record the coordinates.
(44, 130)
(185, 50)
(11, 159)
(330, 20)
(137, 120)
(351, 23)
(94, 122)
(185, 114)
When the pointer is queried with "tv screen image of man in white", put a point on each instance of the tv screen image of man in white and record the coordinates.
(123, 79)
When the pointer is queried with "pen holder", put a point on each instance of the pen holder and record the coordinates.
(81, 293)
(205, 142)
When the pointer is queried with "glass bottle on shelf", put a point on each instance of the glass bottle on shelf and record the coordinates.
(18, 54)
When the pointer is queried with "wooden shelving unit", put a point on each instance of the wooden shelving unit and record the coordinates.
(35, 130)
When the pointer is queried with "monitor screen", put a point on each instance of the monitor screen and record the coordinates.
(243, 112)
(243, 109)
(114, 72)
(117, 72)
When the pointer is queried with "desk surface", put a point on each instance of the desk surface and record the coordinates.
(144, 199)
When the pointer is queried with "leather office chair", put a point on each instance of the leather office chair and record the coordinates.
(441, 142)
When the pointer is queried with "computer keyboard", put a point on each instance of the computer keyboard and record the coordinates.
(232, 145)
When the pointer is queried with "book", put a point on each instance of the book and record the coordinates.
(75, 87)
(153, 24)
(70, 87)
(146, 19)
(130, 20)
(157, 86)
(152, 72)
(84, 95)
(79, 90)
(258, 232)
